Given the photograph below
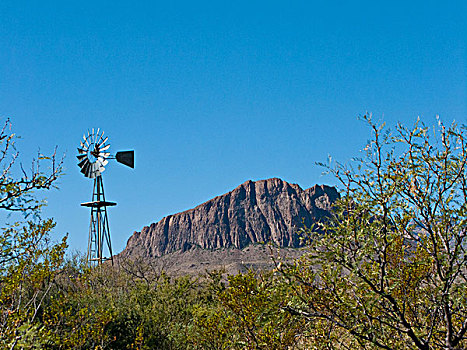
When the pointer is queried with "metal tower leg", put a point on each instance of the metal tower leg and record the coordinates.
(99, 232)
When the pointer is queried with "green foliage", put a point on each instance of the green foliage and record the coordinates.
(28, 261)
(389, 268)
(17, 193)
(125, 307)
(74, 319)
(132, 307)
(254, 304)
(213, 328)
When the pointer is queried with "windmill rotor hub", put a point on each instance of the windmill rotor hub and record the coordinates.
(92, 154)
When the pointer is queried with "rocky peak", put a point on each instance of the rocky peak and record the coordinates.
(262, 211)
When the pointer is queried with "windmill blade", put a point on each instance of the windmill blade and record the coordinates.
(102, 161)
(88, 170)
(88, 140)
(101, 138)
(97, 134)
(105, 148)
(85, 169)
(96, 138)
(104, 154)
(126, 157)
(83, 162)
(95, 169)
(81, 156)
(85, 140)
(81, 151)
(104, 141)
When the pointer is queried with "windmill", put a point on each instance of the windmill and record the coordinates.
(93, 155)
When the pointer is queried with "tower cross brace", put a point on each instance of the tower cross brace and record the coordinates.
(99, 232)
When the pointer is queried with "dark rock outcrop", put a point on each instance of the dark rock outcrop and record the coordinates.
(255, 212)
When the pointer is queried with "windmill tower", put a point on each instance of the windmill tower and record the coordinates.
(92, 157)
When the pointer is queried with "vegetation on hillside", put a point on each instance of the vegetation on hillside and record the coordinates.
(386, 271)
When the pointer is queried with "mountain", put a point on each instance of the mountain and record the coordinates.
(258, 212)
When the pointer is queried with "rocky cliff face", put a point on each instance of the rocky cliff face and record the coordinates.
(255, 212)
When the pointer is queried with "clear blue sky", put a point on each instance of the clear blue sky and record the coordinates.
(211, 94)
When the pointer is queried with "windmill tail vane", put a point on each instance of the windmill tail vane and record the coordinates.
(93, 156)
